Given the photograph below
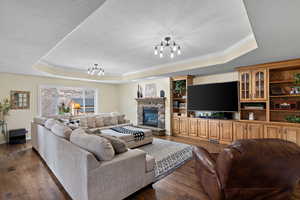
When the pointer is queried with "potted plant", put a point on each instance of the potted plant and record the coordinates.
(5, 107)
(179, 87)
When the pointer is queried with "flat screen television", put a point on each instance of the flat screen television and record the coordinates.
(221, 97)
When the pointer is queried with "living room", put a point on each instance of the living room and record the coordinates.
(149, 100)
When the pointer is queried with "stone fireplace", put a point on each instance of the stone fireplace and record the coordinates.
(150, 116)
(151, 112)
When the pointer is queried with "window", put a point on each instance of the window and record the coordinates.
(60, 100)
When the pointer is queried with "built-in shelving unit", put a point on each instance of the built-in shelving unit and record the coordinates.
(178, 93)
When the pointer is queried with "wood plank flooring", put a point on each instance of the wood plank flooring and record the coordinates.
(23, 176)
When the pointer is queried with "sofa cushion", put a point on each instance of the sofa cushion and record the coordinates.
(118, 144)
(79, 131)
(99, 122)
(61, 130)
(114, 120)
(50, 123)
(121, 119)
(91, 122)
(107, 121)
(150, 163)
(99, 146)
(83, 122)
(40, 120)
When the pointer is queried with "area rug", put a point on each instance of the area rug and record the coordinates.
(168, 156)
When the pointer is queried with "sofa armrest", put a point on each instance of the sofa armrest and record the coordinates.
(205, 168)
(125, 173)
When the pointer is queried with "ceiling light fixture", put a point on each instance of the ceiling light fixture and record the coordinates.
(167, 43)
(96, 70)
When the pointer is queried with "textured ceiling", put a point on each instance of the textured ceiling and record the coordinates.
(30, 28)
(121, 34)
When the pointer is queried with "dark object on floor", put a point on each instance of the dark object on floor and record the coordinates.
(17, 136)
(162, 93)
(255, 169)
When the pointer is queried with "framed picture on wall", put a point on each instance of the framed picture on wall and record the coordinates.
(20, 100)
(150, 90)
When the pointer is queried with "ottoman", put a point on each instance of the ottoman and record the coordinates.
(129, 138)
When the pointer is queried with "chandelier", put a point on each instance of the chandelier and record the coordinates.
(96, 70)
(167, 44)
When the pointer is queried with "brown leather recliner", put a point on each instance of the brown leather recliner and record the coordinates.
(258, 169)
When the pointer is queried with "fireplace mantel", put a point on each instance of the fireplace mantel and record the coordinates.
(152, 99)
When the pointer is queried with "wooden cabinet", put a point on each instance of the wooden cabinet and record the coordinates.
(292, 134)
(272, 131)
(226, 131)
(239, 130)
(214, 129)
(259, 84)
(245, 85)
(176, 126)
(193, 126)
(253, 85)
(184, 126)
(255, 131)
(203, 128)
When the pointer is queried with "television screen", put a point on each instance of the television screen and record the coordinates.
(213, 97)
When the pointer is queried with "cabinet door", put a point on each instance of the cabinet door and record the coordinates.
(226, 131)
(255, 131)
(176, 126)
(214, 129)
(239, 131)
(245, 85)
(259, 84)
(193, 126)
(184, 126)
(203, 128)
(273, 132)
(292, 134)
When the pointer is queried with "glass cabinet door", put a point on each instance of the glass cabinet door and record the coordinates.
(259, 84)
(245, 85)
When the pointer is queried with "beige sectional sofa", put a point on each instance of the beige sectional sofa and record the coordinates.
(84, 176)
(104, 121)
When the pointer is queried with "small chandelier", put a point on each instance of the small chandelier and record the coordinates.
(167, 43)
(95, 70)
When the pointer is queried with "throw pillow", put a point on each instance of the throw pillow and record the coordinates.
(83, 122)
(98, 146)
(50, 123)
(114, 120)
(121, 119)
(61, 130)
(119, 145)
(91, 122)
(99, 122)
(107, 121)
(40, 120)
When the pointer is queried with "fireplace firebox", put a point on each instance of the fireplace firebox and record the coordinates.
(150, 116)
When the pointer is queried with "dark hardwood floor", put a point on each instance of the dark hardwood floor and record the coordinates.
(24, 176)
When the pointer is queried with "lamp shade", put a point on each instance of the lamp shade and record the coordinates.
(77, 106)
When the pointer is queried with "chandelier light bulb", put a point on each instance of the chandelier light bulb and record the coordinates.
(95, 70)
(168, 45)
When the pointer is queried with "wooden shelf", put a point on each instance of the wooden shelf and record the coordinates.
(179, 99)
(282, 81)
(243, 109)
(289, 111)
(286, 95)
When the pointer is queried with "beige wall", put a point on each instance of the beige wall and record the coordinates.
(107, 96)
(128, 93)
(216, 78)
